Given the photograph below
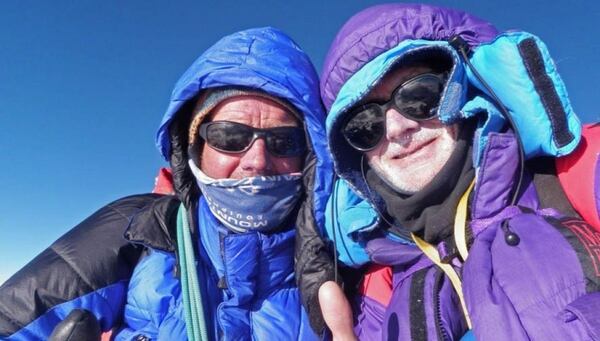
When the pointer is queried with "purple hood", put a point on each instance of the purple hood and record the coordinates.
(379, 28)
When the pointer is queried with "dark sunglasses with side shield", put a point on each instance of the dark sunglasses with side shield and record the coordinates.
(416, 99)
(233, 137)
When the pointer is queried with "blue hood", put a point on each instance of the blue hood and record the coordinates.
(268, 60)
(516, 65)
(262, 58)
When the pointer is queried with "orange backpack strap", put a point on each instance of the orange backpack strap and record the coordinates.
(377, 284)
(579, 175)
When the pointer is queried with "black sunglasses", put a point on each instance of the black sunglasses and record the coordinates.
(416, 99)
(232, 137)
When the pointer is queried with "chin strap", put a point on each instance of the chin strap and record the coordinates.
(460, 228)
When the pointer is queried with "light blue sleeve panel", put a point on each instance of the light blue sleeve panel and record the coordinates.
(490, 120)
(469, 336)
(519, 69)
(347, 217)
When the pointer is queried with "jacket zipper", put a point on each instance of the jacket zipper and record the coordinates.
(442, 333)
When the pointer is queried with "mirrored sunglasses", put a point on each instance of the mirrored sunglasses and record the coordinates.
(233, 137)
(416, 99)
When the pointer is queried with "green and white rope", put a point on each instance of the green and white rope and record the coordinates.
(190, 287)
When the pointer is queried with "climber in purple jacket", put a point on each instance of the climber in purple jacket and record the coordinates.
(444, 135)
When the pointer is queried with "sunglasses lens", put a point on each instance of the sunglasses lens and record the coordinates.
(236, 137)
(228, 136)
(286, 141)
(419, 97)
(364, 130)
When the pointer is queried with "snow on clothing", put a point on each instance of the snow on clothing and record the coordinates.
(543, 288)
(248, 282)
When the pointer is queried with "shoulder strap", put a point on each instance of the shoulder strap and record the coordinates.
(549, 190)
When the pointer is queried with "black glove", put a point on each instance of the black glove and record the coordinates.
(80, 325)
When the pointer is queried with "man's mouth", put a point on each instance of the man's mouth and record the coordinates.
(413, 149)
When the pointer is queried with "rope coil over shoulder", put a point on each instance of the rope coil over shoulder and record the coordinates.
(190, 287)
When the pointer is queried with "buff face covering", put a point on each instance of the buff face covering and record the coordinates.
(259, 203)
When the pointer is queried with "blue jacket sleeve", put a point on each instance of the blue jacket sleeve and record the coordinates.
(153, 305)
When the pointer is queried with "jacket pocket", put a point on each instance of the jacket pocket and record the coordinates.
(586, 310)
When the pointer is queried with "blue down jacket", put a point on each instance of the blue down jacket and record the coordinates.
(131, 284)
(249, 279)
(248, 288)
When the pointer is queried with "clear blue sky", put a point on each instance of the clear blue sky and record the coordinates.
(83, 86)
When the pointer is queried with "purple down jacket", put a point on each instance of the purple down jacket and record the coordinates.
(545, 287)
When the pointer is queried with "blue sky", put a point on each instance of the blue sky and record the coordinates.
(83, 86)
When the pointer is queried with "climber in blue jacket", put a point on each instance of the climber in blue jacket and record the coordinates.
(245, 140)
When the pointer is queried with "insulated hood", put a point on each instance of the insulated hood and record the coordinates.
(380, 28)
(262, 58)
(348, 160)
(265, 59)
(515, 65)
(374, 41)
